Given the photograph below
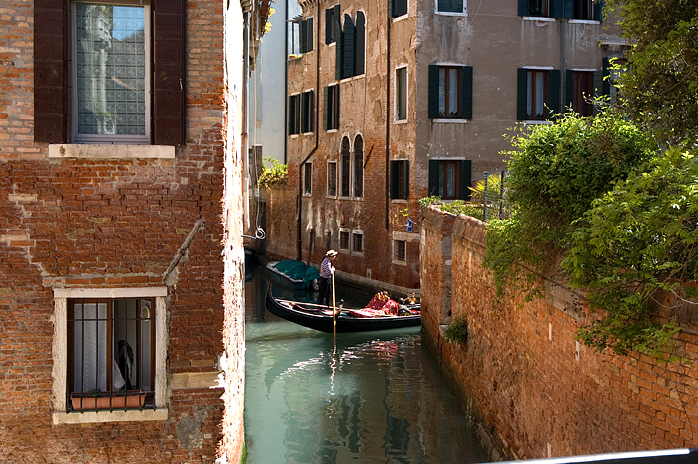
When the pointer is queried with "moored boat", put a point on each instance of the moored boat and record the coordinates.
(319, 317)
(295, 274)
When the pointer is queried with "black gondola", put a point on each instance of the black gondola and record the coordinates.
(320, 317)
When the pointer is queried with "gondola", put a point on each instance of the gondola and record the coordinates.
(320, 318)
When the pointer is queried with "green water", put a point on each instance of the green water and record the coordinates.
(368, 397)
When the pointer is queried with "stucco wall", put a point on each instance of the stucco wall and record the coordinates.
(534, 391)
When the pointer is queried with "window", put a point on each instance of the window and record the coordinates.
(538, 93)
(351, 47)
(400, 250)
(112, 86)
(450, 6)
(332, 178)
(331, 16)
(399, 180)
(307, 110)
(536, 8)
(307, 178)
(344, 239)
(330, 103)
(358, 167)
(571, 9)
(450, 92)
(300, 36)
(401, 94)
(345, 169)
(108, 354)
(294, 114)
(582, 92)
(583, 9)
(450, 179)
(357, 242)
(398, 8)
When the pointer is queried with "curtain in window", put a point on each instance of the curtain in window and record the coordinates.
(90, 347)
(111, 70)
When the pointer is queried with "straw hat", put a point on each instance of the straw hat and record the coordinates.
(331, 253)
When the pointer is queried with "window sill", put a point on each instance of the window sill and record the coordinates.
(400, 121)
(583, 21)
(349, 79)
(452, 120)
(400, 18)
(399, 200)
(331, 131)
(94, 417)
(400, 263)
(294, 136)
(539, 18)
(308, 133)
(331, 197)
(536, 121)
(74, 150)
(448, 13)
(352, 198)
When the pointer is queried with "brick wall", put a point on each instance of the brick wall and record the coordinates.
(90, 223)
(532, 389)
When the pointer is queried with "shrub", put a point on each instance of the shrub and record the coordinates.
(457, 332)
(273, 176)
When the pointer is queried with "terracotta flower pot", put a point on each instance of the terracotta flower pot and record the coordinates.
(115, 402)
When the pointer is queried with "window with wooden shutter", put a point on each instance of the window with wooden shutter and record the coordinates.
(329, 25)
(345, 169)
(358, 167)
(398, 8)
(450, 6)
(306, 35)
(307, 110)
(401, 94)
(109, 104)
(332, 178)
(360, 44)
(294, 114)
(331, 107)
(450, 179)
(399, 180)
(450, 92)
(349, 51)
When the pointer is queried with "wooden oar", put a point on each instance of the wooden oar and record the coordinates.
(334, 312)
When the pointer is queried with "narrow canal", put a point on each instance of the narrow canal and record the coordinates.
(372, 397)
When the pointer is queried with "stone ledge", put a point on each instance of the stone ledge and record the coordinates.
(92, 417)
(195, 380)
(73, 150)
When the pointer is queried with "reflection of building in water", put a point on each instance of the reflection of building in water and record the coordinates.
(111, 72)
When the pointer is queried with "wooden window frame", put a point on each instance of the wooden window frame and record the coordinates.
(332, 179)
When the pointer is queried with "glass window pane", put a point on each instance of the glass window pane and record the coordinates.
(110, 69)
(90, 347)
(540, 92)
(453, 92)
(450, 180)
(529, 93)
(442, 92)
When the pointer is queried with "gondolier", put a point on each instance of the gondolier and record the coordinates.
(326, 272)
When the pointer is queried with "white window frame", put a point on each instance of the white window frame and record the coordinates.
(354, 233)
(336, 186)
(113, 138)
(339, 239)
(60, 355)
(397, 95)
(451, 13)
(396, 241)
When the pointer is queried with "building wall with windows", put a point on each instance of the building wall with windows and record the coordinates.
(432, 87)
(112, 154)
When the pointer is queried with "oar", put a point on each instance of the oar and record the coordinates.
(334, 313)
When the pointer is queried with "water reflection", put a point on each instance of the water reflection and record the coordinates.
(371, 398)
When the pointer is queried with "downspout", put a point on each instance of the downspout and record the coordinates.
(387, 130)
(286, 88)
(299, 251)
(562, 65)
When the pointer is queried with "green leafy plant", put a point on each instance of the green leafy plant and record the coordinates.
(273, 176)
(457, 332)
(494, 186)
(400, 218)
(454, 207)
(95, 392)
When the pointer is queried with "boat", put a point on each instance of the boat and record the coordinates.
(319, 317)
(294, 273)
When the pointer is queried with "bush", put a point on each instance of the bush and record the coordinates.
(457, 332)
(273, 176)
(455, 207)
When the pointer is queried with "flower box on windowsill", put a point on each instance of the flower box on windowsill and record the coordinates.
(133, 400)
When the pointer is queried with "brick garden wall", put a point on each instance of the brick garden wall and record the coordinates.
(86, 223)
(532, 389)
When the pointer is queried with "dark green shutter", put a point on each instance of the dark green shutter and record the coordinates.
(349, 35)
(310, 43)
(466, 92)
(568, 9)
(523, 7)
(557, 9)
(554, 92)
(291, 114)
(50, 94)
(598, 84)
(598, 10)
(304, 113)
(433, 177)
(339, 45)
(606, 76)
(325, 108)
(329, 25)
(464, 176)
(360, 48)
(399, 8)
(302, 35)
(406, 176)
(433, 104)
(569, 89)
(311, 111)
(394, 175)
(521, 94)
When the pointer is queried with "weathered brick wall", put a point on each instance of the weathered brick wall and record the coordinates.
(81, 223)
(533, 389)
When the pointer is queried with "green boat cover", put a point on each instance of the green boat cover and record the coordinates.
(298, 270)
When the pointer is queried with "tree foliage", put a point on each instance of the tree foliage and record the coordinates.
(659, 82)
(637, 239)
(555, 172)
(273, 176)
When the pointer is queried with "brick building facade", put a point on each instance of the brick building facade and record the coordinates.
(392, 102)
(113, 292)
(532, 388)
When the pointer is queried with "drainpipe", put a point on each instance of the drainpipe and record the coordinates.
(387, 130)
(562, 65)
(286, 88)
(299, 251)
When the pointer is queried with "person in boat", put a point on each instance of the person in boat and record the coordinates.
(326, 273)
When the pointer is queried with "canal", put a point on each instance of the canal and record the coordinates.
(374, 397)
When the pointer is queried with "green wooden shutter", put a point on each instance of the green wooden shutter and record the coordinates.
(606, 76)
(598, 84)
(335, 107)
(569, 88)
(360, 48)
(598, 10)
(394, 175)
(523, 7)
(466, 92)
(399, 8)
(311, 111)
(339, 45)
(329, 26)
(50, 93)
(521, 93)
(557, 9)
(433, 177)
(568, 9)
(433, 104)
(291, 114)
(310, 43)
(554, 92)
(325, 108)
(464, 176)
(349, 36)
(406, 176)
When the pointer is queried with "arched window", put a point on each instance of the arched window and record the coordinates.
(345, 168)
(358, 166)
